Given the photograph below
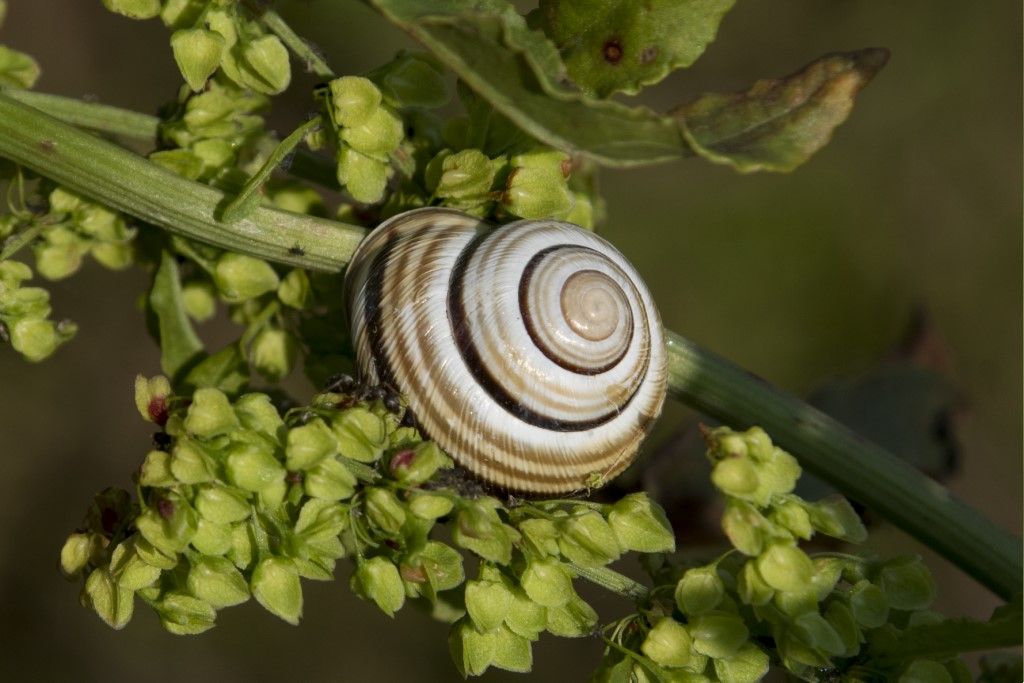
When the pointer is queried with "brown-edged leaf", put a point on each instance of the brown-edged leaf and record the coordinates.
(778, 124)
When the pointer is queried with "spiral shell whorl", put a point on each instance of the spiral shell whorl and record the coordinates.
(532, 353)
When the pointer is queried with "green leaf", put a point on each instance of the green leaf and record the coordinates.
(519, 72)
(622, 46)
(179, 345)
(777, 124)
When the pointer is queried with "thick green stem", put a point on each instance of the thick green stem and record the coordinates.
(863, 471)
(98, 169)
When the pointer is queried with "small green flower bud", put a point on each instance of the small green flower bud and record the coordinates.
(547, 582)
(134, 9)
(699, 591)
(13, 273)
(251, 468)
(129, 570)
(273, 353)
(240, 277)
(751, 587)
(834, 516)
(791, 516)
(212, 538)
(184, 615)
(479, 529)
(364, 177)
(511, 651)
(468, 174)
(294, 290)
(418, 464)
(266, 60)
(582, 213)
(472, 651)
(487, 603)
(156, 470)
(221, 505)
(841, 618)
(151, 398)
(17, 69)
(413, 81)
(430, 506)
(378, 136)
(778, 474)
(275, 585)
(75, 554)
(216, 581)
(169, 524)
(34, 338)
(869, 604)
(537, 193)
(152, 556)
(179, 161)
(27, 302)
(541, 534)
(640, 524)
(814, 630)
(588, 540)
(215, 154)
(574, 619)
(241, 553)
(827, 571)
(668, 643)
(744, 526)
(925, 671)
(200, 300)
(795, 603)
(525, 617)
(114, 604)
(907, 583)
(197, 53)
(330, 480)
(442, 565)
(749, 665)
(190, 465)
(354, 98)
(785, 567)
(309, 444)
(115, 256)
(361, 434)
(377, 579)
(384, 510)
(257, 413)
(718, 634)
(735, 477)
(210, 414)
(320, 520)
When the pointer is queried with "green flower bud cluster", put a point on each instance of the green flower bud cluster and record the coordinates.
(238, 501)
(216, 34)
(76, 227)
(819, 615)
(368, 131)
(24, 315)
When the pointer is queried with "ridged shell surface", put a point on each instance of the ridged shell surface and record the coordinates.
(532, 353)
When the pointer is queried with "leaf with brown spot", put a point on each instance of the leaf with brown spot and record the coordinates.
(778, 124)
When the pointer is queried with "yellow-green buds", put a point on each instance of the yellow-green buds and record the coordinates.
(361, 434)
(113, 603)
(537, 187)
(354, 99)
(240, 277)
(639, 524)
(17, 69)
(699, 591)
(210, 414)
(668, 643)
(216, 581)
(198, 53)
(135, 9)
(377, 579)
(275, 585)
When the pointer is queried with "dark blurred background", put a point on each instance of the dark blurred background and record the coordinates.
(803, 278)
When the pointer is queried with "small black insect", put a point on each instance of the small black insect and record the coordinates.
(296, 250)
(340, 383)
(162, 441)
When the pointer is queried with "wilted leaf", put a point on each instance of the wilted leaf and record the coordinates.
(488, 45)
(778, 124)
(179, 345)
(611, 46)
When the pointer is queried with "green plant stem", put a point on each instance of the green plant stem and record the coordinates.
(861, 470)
(15, 244)
(295, 43)
(144, 128)
(103, 171)
(247, 199)
(92, 115)
(611, 580)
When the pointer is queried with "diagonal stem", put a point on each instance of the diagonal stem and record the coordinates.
(861, 470)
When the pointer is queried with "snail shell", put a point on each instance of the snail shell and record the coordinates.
(532, 353)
